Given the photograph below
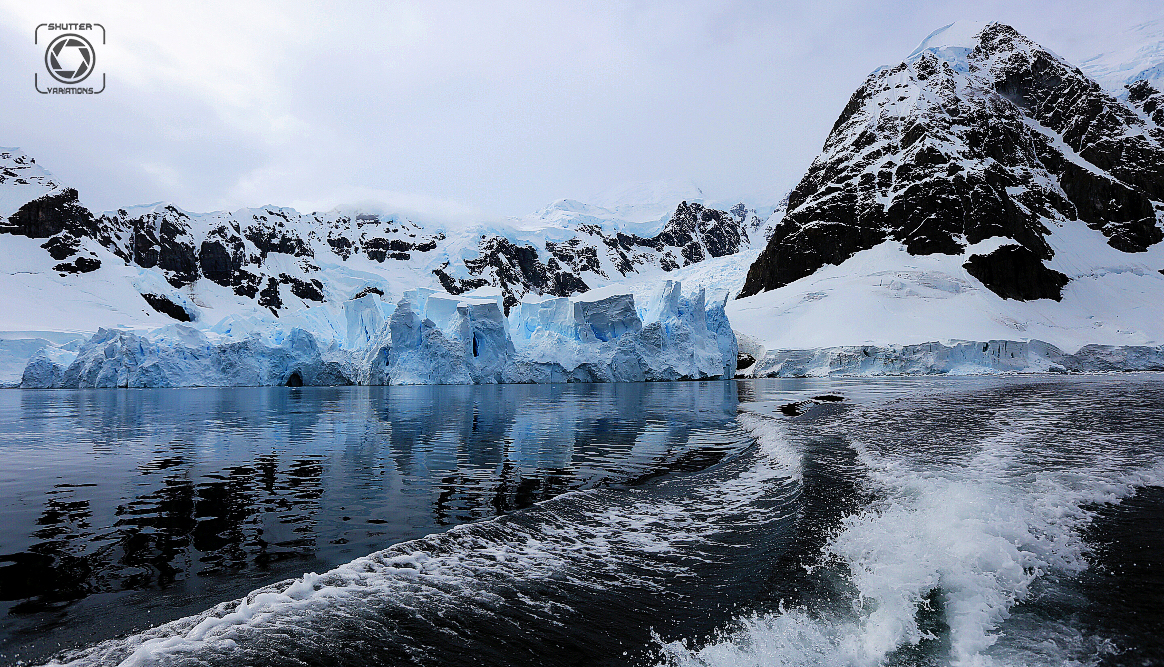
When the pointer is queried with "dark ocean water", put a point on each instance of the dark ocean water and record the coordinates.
(920, 521)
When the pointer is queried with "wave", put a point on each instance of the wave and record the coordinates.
(959, 534)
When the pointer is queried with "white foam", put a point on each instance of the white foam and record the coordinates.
(980, 533)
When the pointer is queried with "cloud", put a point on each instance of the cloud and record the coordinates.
(474, 109)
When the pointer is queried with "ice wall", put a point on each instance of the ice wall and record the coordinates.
(438, 338)
(183, 356)
(430, 338)
(956, 358)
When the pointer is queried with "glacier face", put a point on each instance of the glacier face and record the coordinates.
(426, 338)
(956, 358)
(183, 356)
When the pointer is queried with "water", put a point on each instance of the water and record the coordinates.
(921, 521)
(157, 504)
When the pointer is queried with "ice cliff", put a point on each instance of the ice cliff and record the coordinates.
(428, 337)
(954, 358)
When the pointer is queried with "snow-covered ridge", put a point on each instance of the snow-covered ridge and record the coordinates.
(21, 181)
(284, 261)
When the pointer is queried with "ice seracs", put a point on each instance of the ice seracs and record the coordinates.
(428, 337)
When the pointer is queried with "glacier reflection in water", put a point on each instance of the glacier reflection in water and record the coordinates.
(162, 502)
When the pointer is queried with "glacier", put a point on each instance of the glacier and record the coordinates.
(955, 358)
(427, 337)
(183, 356)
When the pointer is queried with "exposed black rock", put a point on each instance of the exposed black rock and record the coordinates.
(247, 284)
(457, 285)
(167, 307)
(269, 297)
(937, 157)
(744, 360)
(52, 214)
(1015, 272)
(176, 255)
(221, 257)
(79, 265)
(160, 239)
(272, 231)
(518, 270)
(60, 218)
(1148, 100)
(341, 246)
(1125, 215)
(312, 290)
(382, 249)
(575, 255)
(62, 246)
(370, 289)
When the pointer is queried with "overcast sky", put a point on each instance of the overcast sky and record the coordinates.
(469, 109)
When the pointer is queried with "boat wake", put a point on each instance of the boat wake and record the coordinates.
(965, 534)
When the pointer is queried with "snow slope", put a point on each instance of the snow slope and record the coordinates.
(1136, 55)
(886, 296)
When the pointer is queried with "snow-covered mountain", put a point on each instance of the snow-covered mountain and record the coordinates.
(189, 266)
(65, 271)
(982, 189)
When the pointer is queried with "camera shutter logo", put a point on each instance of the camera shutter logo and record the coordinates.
(70, 58)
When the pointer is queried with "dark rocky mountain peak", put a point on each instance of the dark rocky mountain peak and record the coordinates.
(990, 137)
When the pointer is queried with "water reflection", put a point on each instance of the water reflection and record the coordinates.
(179, 495)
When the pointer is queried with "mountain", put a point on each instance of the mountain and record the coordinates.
(979, 134)
(984, 188)
(125, 264)
(1138, 55)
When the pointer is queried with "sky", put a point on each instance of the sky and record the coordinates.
(470, 111)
